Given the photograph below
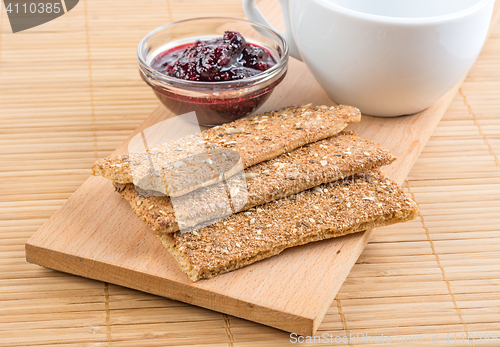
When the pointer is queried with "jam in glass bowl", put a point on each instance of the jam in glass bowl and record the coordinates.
(221, 68)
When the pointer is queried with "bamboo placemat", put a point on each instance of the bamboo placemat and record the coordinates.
(62, 105)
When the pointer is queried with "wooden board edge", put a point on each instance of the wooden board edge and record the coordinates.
(191, 295)
(364, 238)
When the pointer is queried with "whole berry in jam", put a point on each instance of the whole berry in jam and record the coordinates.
(224, 58)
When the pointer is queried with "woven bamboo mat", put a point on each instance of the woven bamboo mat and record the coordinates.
(63, 105)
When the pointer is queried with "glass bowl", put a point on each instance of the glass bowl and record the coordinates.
(214, 102)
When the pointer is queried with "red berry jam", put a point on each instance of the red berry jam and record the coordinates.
(221, 59)
(227, 58)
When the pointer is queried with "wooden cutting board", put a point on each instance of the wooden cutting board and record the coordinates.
(96, 234)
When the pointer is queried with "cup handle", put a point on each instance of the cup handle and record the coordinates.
(253, 13)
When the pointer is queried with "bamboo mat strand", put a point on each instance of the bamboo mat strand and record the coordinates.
(443, 272)
(62, 105)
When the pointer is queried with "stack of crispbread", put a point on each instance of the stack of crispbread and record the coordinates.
(306, 180)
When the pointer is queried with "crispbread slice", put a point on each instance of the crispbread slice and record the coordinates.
(364, 201)
(255, 139)
(340, 156)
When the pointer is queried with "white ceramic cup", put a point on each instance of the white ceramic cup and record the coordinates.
(386, 57)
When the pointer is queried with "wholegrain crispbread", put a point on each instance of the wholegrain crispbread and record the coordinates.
(255, 139)
(340, 156)
(361, 202)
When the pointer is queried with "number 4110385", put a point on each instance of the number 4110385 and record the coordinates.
(34, 8)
